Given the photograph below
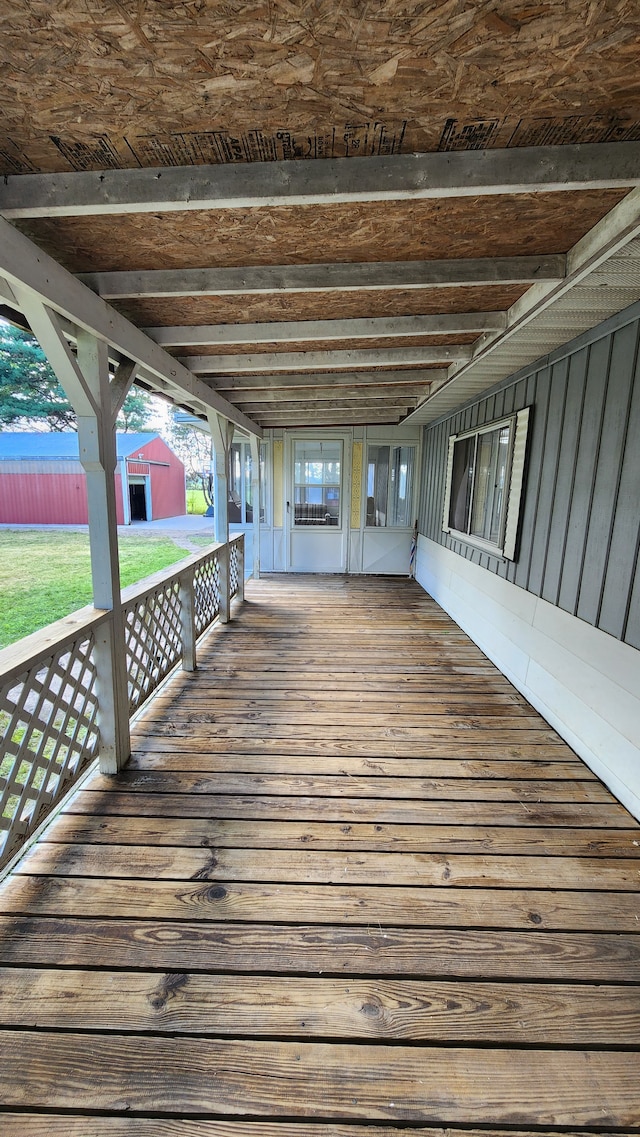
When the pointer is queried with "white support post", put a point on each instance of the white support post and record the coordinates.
(255, 497)
(240, 563)
(221, 437)
(223, 571)
(124, 485)
(97, 438)
(188, 622)
(220, 497)
(113, 696)
(85, 381)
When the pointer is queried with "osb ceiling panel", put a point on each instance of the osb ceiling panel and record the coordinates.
(185, 311)
(420, 230)
(95, 83)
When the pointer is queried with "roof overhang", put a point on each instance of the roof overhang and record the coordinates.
(603, 277)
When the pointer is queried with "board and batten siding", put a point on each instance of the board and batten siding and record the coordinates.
(579, 524)
(561, 620)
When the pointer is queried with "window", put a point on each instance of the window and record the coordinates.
(240, 483)
(484, 484)
(264, 468)
(389, 485)
(316, 476)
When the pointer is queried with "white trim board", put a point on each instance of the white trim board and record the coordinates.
(583, 682)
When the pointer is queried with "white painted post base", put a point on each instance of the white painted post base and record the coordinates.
(240, 548)
(188, 622)
(223, 569)
(113, 697)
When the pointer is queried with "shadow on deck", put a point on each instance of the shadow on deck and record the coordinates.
(350, 882)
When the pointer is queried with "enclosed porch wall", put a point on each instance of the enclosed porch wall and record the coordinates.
(341, 500)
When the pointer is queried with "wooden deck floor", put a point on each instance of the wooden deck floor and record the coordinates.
(350, 884)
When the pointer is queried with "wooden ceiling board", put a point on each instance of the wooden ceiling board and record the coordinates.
(95, 83)
(500, 226)
(190, 311)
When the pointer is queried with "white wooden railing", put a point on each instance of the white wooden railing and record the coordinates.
(50, 682)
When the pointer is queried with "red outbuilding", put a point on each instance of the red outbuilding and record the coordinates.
(42, 481)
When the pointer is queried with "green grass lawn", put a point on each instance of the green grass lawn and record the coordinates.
(46, 573)
(195, 502)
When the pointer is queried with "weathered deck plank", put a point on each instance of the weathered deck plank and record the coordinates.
(349, 809)
(37, 1125)
(349, 883)
(303, 866)
(184, 832)
(359, 785)
(313, 949)
(423, 906)
(319, 1080)
(507, 1013)
(330, 764)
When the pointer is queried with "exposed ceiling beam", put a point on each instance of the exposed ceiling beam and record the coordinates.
(328, 379)
(607, 165)
(395, 406)
(306, 331)
(330, 418)
(400, 392)
(269, 279)
(24, 265)
(330, 360)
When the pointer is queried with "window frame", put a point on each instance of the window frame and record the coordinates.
(393, 444)
(264, 478)
(505, 547)
(311, 523)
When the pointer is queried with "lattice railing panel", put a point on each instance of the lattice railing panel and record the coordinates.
(153, 639)
(234, 568)
(49, 702)
(206, 586)
(49, 734)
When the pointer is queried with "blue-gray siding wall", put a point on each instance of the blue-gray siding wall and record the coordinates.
(580, 515)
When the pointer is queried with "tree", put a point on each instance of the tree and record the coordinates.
(193, 447)
(30, 394)
(136, 411)
(31, 397)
